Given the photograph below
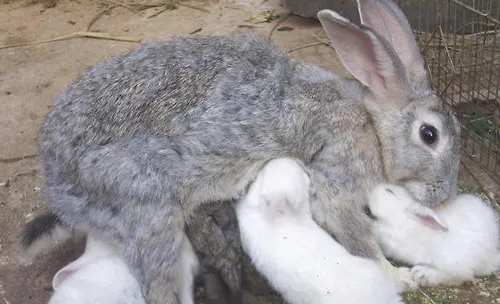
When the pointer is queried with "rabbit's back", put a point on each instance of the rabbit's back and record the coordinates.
(159, 88)
(469, 214)
(475, 231)
(226, 96)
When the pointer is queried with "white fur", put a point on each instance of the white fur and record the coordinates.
(300, 260)
(100, 276)
(469, 248)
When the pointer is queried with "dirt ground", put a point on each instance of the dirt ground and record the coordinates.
(32, 76)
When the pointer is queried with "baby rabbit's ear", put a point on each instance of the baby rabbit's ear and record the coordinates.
(388, 20)
(427, 217)
(368, 57)
(91, 252)
(64, 273)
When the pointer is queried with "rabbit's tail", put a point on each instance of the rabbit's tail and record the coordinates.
(44, 233)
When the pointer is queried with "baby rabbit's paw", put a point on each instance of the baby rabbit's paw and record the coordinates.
(405, 280)
(426, 275)
(400, 276)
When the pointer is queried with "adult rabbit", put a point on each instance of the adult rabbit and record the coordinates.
(136, 144)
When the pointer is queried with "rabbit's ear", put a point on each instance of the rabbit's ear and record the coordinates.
(388, 20)
(65, 272)
(93, 249)
(367, 57)
(427, 217)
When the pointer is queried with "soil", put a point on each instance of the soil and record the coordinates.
(32, 76)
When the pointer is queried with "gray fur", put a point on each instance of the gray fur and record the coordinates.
(215, 290)
(135, 145)
(214, 234)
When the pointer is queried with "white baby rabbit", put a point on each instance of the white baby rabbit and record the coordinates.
(100, 276)
(451, 244)
(300, 260)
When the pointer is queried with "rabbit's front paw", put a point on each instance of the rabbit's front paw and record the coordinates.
(406, 281)
(426, 275)
(401, 276)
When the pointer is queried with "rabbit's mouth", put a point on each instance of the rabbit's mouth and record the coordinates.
(431, 194)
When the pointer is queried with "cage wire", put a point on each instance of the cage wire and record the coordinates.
(460, 41)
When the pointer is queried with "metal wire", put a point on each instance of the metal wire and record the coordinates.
(460, 40)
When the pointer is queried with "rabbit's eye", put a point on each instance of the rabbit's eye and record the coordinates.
(390, 191)
(429, 134)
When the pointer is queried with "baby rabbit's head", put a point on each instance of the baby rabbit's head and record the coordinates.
(394, 204)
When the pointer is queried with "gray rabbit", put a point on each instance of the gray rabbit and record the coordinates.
(137, 144)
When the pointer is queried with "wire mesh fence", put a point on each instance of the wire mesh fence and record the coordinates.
(461, 43)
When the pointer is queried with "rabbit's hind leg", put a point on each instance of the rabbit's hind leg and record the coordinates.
(129, 192)
(152, 247)
(140, 191)
(147, 237)
(188, 271)
(215, 237)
